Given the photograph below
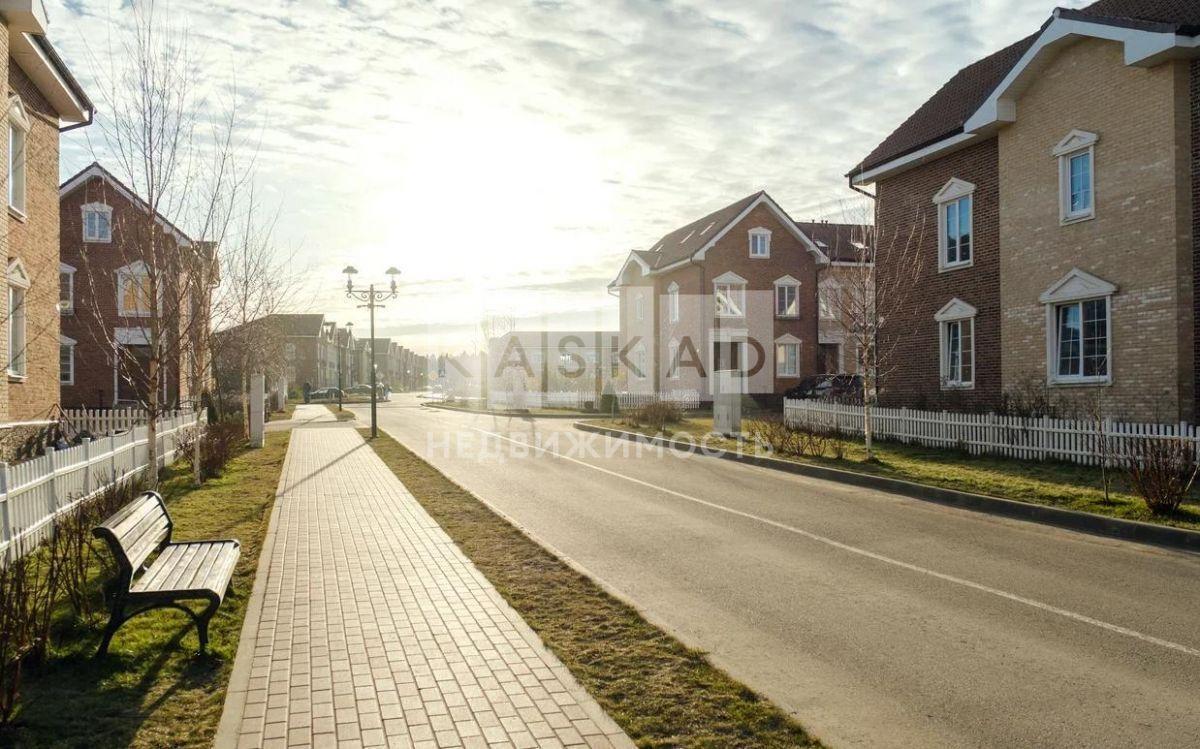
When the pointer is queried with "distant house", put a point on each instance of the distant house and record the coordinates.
(1052, 190)
(310, 354)
(105, 327)
(745, 290)
(43, 99)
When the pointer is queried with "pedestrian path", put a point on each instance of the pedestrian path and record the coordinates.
(367, 626)
(306, 414)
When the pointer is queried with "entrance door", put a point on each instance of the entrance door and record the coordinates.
(828, 356)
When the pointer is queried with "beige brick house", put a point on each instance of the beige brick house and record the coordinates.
(1054, 189)
(43, 99)
(745, 288)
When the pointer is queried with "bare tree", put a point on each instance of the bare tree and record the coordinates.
(180, 164)
(883, 270)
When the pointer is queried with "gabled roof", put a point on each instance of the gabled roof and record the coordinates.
(95, 170)
(312, 325)
(694, 239)
(945, 114)
(842, 243)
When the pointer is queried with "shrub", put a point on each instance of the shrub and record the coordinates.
(656, 415)
(1161, 471)
(218, 444)
(783, 438)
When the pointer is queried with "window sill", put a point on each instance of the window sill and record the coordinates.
(1080, 382)
(787, 317)
(760, 257)
(956, 266)
(86, 240)
(1068, 220)
(14, 377)
(958, 386)
(17, 213)
(787, 376)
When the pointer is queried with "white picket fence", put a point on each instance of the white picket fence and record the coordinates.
(33, 492)
(683, 398)
(1082, 441)
(105, 421)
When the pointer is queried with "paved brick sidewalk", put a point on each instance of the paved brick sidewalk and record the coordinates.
(368, 627)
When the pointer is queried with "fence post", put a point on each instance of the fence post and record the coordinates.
(52, 454)
(5, 519)
(112, 457)
(87, 466)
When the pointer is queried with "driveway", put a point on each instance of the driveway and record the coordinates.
(876, 619)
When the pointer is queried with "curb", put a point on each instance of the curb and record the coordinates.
(502, 414)
(1085, 522)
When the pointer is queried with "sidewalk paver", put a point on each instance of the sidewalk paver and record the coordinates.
(367, 626)
(306, 414)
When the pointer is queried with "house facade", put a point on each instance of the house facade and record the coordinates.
(309, 351)
(105, 315)
(1049, 195)
(745, 289)
(43, 99)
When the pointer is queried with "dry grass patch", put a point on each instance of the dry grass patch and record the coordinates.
(660, 692)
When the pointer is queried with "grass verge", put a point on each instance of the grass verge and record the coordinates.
(660, 692)
(1054, 483)
(151, 690)
(340, 415)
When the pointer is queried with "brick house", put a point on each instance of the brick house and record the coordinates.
(1052, 189)
(310, 354)
(105, 333)
(742, 289)
(43, 100)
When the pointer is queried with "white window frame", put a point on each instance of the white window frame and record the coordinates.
(672, 355)
(66, 343)
(99, 209)
(732, 288)
(787, 282)
(763, 250)
(18, 148)
(18, 285)
(125, 275)
(786, 342)
(639, 307)
(1077, 143)
(951, 194)
(66, 306)
(1077, 287)
(673, 302)
(956, 312)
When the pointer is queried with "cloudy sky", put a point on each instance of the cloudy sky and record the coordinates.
(507, 154)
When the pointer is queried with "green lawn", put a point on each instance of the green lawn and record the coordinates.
(660, 692)
(151, 691)
(1053, 483)
(343, 415)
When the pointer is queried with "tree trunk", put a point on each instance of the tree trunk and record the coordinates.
(152, 405)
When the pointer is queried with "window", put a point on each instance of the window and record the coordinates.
(787, 357)
(727, 356)
(18, 130)
(787, 299)
(673, 302)
(639, 362)
(956, 323)
(97, 223)
(134, 289)
(760, 243)
(1076, 179)
(66, 289)
(955, 224)
(1082, 340)
(729, 293)
(66, 360)
(673, 359)
(1079, 329)
(18, 284)
(639, 307)
(828, 302)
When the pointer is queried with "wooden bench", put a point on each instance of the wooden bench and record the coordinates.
(192, 571)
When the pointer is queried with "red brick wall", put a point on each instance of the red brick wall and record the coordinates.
(34, 239)
(910, 337)
(1194, 86)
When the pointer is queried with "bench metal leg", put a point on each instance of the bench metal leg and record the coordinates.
(116, 617)
(202, 622)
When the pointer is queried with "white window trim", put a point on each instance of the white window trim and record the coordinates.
(956, 311)
(18, 120)
(1077, 142)
(952, 192)
(1076, 287)
(787, 282)
(69, 307)
(69, 343)
(759, 231)
(18, 279)
(96, 208)
(124, 275)
(672, 354)
(673, 302)
(787, 340)
(737, 285)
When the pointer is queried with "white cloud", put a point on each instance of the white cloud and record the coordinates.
(478, 143)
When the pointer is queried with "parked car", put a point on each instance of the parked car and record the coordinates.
(363, 390)
(845, 388)
(326, 394)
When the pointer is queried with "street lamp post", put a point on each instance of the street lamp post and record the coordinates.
(371, 299)
(340, 356)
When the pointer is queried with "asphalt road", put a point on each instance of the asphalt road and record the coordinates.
(877, 620)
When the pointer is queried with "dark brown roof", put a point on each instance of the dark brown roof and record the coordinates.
(837, 241)
(945, 113)
(685, 241)
(299, 325)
